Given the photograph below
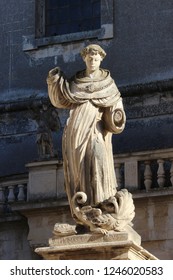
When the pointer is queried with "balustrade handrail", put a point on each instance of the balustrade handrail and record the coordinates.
(13, 182)
(144, 155)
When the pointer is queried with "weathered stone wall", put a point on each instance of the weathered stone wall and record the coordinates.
(154, 223)
(149, 123)
(13, 238)
(139, 52)
(18, 134)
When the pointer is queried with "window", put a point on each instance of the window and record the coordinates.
(59, 21)
(69, 16)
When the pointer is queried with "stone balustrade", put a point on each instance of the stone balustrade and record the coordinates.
(145, 170)
(13, 192)
(135, 171)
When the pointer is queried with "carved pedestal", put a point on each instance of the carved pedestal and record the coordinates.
(115, 246)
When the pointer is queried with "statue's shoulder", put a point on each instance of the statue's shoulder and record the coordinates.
(79, 75)
(105, 73)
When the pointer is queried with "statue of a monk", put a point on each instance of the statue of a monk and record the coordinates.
(96, 111)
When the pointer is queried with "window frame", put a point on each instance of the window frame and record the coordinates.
(38, 40)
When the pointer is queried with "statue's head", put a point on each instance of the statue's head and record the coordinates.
(93, 56)
(93, 48)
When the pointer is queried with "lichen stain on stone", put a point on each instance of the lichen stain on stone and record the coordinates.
(68, 53)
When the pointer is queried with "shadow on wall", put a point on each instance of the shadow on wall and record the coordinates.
(13, 239)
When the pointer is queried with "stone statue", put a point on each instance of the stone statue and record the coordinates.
(96, 112)
(44, 141)
(46, 117)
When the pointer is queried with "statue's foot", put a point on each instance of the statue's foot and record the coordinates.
(100, 231)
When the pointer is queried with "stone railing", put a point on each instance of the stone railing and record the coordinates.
(135, 171)
(145, 170)
(13, 191)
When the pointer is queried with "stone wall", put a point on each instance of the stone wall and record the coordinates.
(149, 122)
(139, 52)
(13, 238)
(153, 221)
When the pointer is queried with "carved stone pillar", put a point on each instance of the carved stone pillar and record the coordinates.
(21, 194)
(11, 196)
(147, 176)
(161, 173)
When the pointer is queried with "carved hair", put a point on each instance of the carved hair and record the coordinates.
(92, 47)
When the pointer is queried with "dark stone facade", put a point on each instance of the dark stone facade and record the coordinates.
(139, 57)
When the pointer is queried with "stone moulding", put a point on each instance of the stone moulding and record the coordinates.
(116, 246)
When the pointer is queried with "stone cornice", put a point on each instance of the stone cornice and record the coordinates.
(148, 88)
(136, 90)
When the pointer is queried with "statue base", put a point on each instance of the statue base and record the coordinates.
(123, 245)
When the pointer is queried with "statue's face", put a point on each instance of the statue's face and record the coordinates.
(93, 61)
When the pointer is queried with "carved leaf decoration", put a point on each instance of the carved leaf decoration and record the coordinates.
(112, 214)
(125, 211)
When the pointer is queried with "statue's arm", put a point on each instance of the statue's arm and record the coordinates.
(115, 118)
(57, 88)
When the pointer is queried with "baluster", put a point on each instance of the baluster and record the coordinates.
(2, 196)
(147, 175)
(11, 196)
(161, 173)
(21, 194)
(171, 173)
(118, 174)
